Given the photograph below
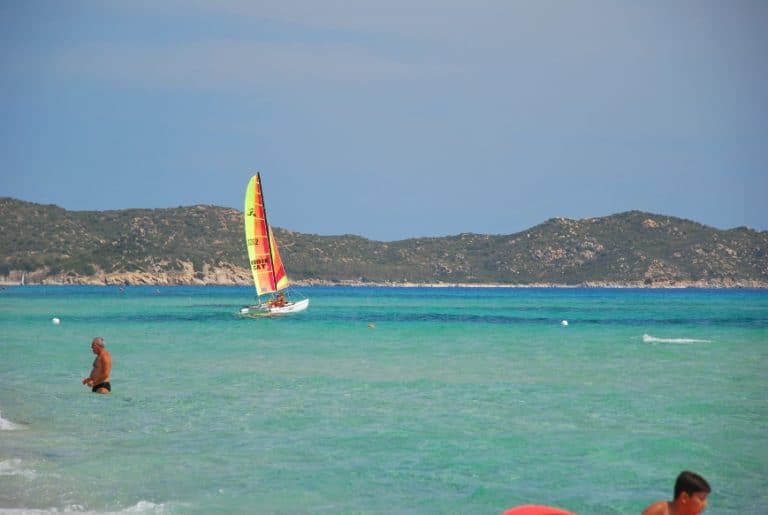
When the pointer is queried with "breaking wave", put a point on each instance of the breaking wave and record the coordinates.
(140, 507)
(647, 338)
(13, 467)
(7, 425)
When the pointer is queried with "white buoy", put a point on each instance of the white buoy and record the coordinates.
(244, 311)
(56, 320)
(564, 323)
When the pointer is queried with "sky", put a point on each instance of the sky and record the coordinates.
(390, 119)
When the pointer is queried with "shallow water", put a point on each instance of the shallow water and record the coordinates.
(455, 401)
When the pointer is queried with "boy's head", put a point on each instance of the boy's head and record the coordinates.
(690, 483)
(691, 491)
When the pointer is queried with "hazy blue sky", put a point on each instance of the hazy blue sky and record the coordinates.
(390, 119)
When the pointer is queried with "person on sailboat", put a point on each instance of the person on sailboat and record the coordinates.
(102, 367)
(279, 301)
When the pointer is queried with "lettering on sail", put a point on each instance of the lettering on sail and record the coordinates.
(252, 241)
(260, 264)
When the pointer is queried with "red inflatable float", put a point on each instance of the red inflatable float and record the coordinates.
(536, 509)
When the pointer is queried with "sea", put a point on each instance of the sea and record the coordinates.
(382, 400)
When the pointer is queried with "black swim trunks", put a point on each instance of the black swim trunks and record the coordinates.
(102, 385)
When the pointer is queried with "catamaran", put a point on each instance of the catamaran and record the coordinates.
(272, 292)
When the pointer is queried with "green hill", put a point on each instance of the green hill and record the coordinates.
(204, 245)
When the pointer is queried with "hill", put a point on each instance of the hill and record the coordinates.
(204, 245)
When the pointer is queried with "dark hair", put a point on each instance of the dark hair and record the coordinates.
(690, 483)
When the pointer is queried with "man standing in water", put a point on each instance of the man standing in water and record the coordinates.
(102, 367)
(691, 491)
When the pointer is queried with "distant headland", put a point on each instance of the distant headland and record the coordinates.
(204, 245)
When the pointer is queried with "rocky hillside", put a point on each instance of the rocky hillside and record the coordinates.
(204, 245)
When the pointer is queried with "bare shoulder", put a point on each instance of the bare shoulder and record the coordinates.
(105, 359)
(657, 508)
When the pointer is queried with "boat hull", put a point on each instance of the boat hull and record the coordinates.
(265, 310)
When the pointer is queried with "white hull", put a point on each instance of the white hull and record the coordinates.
(264, 310)
(291, 307)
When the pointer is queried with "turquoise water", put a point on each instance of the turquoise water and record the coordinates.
(455, 401)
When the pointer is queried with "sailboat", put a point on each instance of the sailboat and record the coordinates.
(269, 277)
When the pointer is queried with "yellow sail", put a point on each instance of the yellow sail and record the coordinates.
(266, 265)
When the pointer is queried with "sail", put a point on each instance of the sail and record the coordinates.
(280, 278)
(266, 265)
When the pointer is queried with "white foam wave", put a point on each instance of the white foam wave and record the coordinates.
(145, 507)
(7, 425)
(13, 467)
(140, 507)
(647, 338)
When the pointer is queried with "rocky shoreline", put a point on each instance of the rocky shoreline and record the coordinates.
(238, 276)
